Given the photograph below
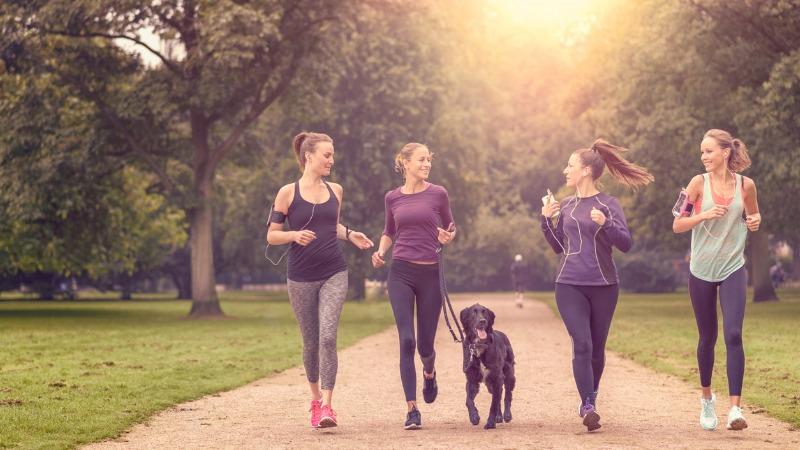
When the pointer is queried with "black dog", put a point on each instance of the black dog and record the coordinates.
(488, 357)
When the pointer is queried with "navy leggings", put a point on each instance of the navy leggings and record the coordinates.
(411, 283)
(587, 312)
(732, 296)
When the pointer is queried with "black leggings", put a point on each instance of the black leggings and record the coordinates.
(732, 296)
(408, 281)
(587, 312)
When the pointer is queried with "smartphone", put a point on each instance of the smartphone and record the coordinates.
(683, 207)
(548, 199)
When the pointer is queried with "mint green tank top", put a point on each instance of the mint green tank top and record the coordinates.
(718, 244)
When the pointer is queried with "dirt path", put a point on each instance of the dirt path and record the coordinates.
(640, 408)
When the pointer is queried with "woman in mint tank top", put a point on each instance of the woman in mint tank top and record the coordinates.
(724, 208)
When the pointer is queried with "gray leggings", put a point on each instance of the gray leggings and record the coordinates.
(317, 306)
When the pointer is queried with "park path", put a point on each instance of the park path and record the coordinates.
(640, 408)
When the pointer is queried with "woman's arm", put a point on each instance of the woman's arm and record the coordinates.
(445, 236)
(344, 233)
(383, 247)
(553, 233)
(275, 232)
(614, 226)
(694, 191)
(387, 237)
(750, 197)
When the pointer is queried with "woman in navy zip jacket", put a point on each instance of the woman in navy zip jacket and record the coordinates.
(590, 223)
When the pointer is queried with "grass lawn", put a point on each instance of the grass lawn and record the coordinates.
(658, 331)
(78, 372)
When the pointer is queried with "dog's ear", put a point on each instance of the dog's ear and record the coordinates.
(463, 316)
(490, 319)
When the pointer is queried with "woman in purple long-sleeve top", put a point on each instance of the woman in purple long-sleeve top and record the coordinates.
(590, 223)
(418, 223)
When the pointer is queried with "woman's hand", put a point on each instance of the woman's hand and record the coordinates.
(715, 213)
(597, 216)
(445, 236)
(360, 240)
(377, 259)
(303, 237)
(753, 221)
(550, 209)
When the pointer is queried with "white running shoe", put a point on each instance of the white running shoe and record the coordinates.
(736, 420)
(708, 415)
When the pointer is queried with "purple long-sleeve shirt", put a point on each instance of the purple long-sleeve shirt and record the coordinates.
(586, 246)
(411, 221)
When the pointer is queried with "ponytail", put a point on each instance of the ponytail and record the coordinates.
(306, 142)
(602, 154)
(740, 159)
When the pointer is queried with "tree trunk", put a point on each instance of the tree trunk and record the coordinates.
(761, 262)
(127, 287)
(204, 294)
(183, 282)
(356, 275)
(179, 269)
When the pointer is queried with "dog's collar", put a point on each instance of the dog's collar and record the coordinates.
(474, 347)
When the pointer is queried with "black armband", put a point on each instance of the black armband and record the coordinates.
(277, 217)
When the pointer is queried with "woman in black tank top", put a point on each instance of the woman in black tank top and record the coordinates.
(321, 257)
(317, 273)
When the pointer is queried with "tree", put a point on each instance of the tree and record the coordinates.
(182, 119)
(658, 84)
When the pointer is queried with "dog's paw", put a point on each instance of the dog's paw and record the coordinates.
(474, 417)
(498, 419)
(507, 416)
(489, 426)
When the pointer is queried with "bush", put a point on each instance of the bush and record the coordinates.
(648, 272)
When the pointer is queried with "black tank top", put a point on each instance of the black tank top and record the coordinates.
(323, 257)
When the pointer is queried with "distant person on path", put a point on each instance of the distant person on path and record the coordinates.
(317, 273)
(418, 221)
(589, 224)
(518, 279)
(719, 198)
(777, 275)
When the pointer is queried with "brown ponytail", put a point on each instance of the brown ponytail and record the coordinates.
(405, 154)
(307, 142)
(738, 159)
(602, 154)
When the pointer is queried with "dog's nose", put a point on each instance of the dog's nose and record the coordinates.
(482, 321)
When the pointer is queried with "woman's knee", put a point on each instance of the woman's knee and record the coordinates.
(582, 348)
(425, 347)
(733, 337)
(327, 343)
(407, 345)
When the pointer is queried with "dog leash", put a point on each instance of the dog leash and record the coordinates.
(446, 305)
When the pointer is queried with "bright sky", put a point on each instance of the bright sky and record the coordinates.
(147, 36)
(536, 13)
(511, 16)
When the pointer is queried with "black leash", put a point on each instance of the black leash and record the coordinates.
(446, 305)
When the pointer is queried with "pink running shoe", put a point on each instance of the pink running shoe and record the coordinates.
(327, 417)
(316, 413)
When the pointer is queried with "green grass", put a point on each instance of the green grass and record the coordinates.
(659, 331)
(78, 372)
